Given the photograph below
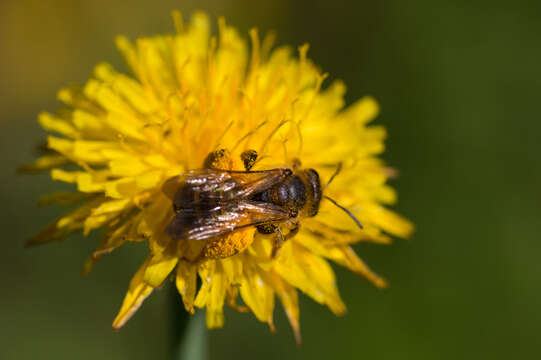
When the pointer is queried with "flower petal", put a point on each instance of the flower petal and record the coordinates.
(312, 275)
(290, 301)
(341, 254)
(212, 292)
(215, 303)
(51, 123)
(159, 267)
(257, 293)
(138, 291)
(389, 221)
(186, 284)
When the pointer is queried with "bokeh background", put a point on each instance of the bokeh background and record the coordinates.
(459, 85)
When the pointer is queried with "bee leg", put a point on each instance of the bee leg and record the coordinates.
(278, 242)
(280, 239)
(293, 232)
(248, 157)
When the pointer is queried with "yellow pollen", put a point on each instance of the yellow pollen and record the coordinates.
(229, 245)
(237, 241)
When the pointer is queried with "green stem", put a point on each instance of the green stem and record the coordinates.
(188, 333)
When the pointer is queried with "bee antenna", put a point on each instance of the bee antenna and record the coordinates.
(345, 210)
(336, 172)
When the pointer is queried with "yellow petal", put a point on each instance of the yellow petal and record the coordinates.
(138, 291)
(114, 236)
(52, 123)
(128, 88)
(110, 101)
(62, 198)
(150, 179)
(80, 214)
(257, 293)
(290, 301)
(233, 269)
(111, 206)
(361, 111)
(385, 194)
(215, 302)
(44, 163)
(159, 267)
(212, 292)
(65, 176)
(105, 212)
(346, 256)
(92, 151)
(70, 222)
(341, 254)
(331, 229)
(312, 275)
(388, 220)
(94, 222)
(205, 270)
(155, 59)
(74, 97)
(157, 161)
(129, 52)
(186, 284)
(126, 125)
(53, 232)
(121, 188)
(127, 167)
(91, 125)
(63, 146)
(90, 182)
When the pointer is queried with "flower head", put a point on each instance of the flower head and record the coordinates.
(120, 138)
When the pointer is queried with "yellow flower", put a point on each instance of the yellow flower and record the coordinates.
(120, 137)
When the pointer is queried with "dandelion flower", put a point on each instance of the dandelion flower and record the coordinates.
(121, 137)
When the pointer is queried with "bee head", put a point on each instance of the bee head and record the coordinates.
(314, 192)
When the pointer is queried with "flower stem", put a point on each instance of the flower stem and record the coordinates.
(188, 333)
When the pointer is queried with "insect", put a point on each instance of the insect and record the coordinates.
(213, 203)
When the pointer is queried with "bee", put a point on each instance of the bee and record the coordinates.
(213, 203)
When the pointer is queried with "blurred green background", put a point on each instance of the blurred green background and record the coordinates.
(459, 86)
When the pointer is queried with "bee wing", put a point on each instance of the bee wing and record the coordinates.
(222, 219)
(223, 185)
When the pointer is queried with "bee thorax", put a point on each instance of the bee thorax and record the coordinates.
(289, 194)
